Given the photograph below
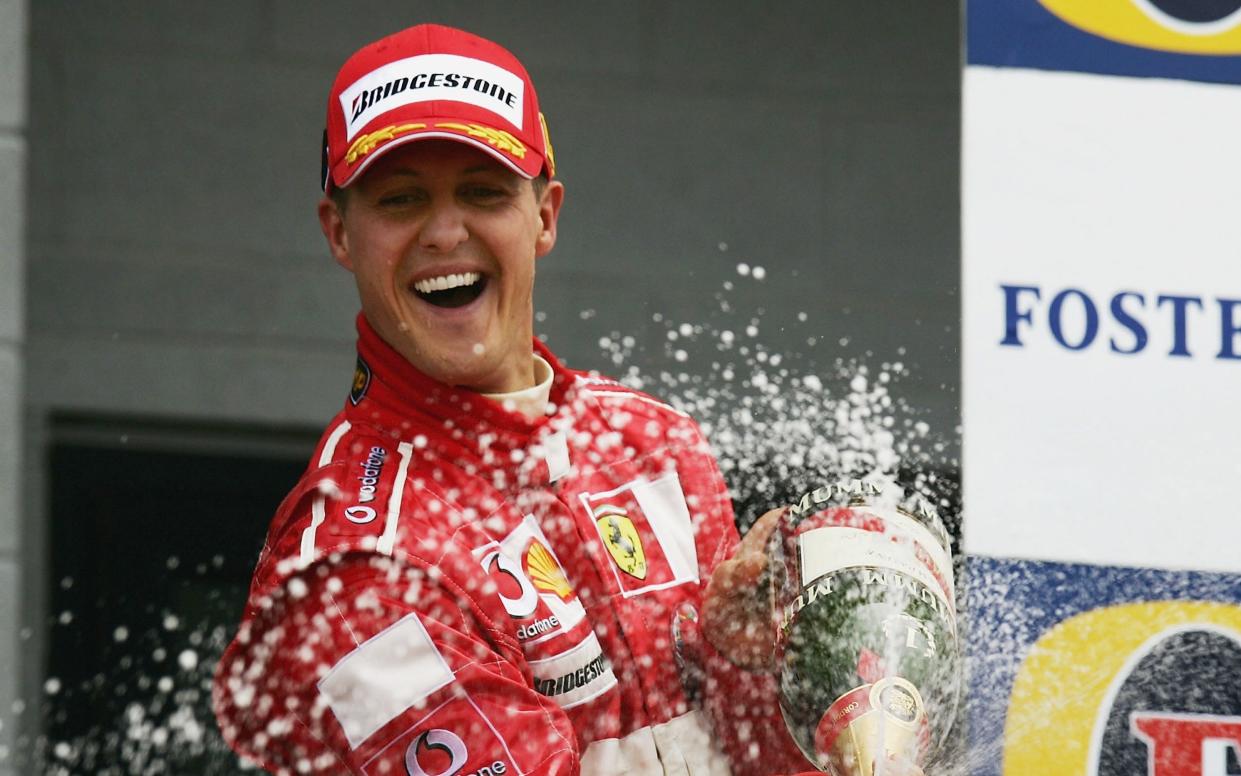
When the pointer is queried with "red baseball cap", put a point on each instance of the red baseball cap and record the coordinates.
(432, 81)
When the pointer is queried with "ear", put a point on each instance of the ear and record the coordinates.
(332, 223)
(549, 212)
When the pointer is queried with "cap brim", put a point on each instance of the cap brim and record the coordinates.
(367, 147)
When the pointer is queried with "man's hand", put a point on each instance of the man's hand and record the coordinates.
(737, 610)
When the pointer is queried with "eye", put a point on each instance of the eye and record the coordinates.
(399, 198)
(481, 192)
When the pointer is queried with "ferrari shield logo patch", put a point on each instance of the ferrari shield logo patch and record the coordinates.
(622, 540)
(361, 381)
(646, 537)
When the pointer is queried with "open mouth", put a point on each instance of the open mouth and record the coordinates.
(455, 290)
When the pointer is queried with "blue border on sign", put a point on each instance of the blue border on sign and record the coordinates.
(1011, 603)
(1022, 33)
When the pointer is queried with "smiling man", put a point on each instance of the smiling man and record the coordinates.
(494, 564)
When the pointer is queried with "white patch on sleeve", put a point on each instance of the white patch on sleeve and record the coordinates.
(387, 674)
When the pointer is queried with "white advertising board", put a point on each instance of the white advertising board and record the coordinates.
(1102, 318)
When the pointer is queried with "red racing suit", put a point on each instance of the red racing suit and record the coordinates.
(454, 589)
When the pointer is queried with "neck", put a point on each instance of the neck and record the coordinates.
(519, 374)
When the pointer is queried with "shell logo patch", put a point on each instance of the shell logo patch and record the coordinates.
(531, 583)
(1180, 26)
(1140, 688)
(621, 538)
(545, 573)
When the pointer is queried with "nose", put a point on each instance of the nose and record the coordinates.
(444, 227)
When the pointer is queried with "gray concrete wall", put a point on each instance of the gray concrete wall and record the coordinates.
(13, 18)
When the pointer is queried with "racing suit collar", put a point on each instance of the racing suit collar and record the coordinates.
(395, 382)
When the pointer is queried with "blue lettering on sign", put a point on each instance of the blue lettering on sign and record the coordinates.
(1125, 319)
(1092, 319)
(1229, 328)
(1179, 305)
(1013, 315)
(1072, 318)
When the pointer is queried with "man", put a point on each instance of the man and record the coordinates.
(494, 564)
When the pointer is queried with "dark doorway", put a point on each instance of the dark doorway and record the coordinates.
(155, 529)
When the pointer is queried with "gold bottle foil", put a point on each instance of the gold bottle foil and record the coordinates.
(874, 729)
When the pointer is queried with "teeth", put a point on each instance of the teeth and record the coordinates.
(445, 282)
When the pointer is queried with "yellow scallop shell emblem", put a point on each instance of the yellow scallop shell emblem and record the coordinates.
(545, 572)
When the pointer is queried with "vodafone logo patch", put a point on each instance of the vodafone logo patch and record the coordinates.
(456, 738)
(436, 752)
(441, 752)
(518, 595)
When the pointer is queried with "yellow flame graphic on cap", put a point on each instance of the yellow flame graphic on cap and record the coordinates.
(545, 572)
(547, 141)
(367, 143)
(497, 138)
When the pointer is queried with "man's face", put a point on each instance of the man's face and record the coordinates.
(442, 240)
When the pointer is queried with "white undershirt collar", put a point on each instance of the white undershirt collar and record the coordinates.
(532, 401)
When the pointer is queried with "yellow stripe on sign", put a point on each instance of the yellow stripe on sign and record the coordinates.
(1141, 23)
(1066, 679)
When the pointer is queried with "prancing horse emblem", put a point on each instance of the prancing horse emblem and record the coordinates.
(621, 538)
(361, 381)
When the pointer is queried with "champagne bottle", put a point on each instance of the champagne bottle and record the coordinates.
(866, 646)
